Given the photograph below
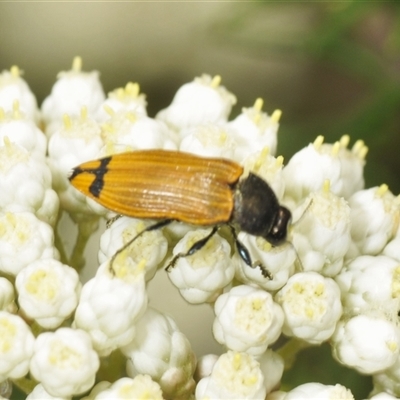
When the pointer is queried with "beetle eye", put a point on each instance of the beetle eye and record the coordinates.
(277, 235)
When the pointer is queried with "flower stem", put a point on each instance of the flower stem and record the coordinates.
(24, 384)
(290, 350)
(85, 230)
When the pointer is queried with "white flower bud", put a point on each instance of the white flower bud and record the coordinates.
(23, 131)
(64, 362)
(39, 393)
(322, 235)
(247, 319)
(234, 376)
(23, 240)
(318, 391)
(392, 249)
(279, 261)
(25, 182)
(149, 249)
(202, 276)
(388, 381)
(199, 102)
(7, 295)
(370, 283)
(16, 346)
(110, 304)
(127, 98)
(140, 387)
(309, 168)
(96, 389)
(383, 396)
(73, 90)
(171, 362)
(374, 219)
(367, 344)
(127, 131)
(76, 140)
(272, 366)
(204, 366)
(254, 129)
(312, 307)
(267, 167)
(48, 292)
(210, 140)
(15, 89)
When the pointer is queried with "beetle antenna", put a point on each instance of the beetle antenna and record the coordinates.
(298, 259)
(303, 213)
(157, 225)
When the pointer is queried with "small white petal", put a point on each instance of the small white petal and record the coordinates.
(312, 306)
(64, 362)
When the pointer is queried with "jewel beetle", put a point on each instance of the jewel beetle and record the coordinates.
(176, 186)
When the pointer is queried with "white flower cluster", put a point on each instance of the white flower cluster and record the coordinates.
(336, 279)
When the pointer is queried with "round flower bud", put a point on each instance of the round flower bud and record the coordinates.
(318, 391)
(199, 102)
(23, 240)
(367, 344)
(48, 292)
(202, 276)
(15, 89)
(312, 307)
(234, 376)
(253, 129)
(140, 387)
(64, 362)
(149, 249)
(374, 219)
(247, 319)
(16, 346)
(110, 304)
(171, 362)
(127, 98)
(322, 235)
(73, 90)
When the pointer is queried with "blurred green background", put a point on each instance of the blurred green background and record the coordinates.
(333, 68)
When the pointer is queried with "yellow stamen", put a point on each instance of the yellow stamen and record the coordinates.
(344, 141)
(237, 360)
(77, 64)
(84, 113)
(16, 111)
(363, 153)
(318, 142)
(335, 149)
(382, 190)
(276, 116)
(358, 145)
(326, 186)
(258, 104)
(215, 81)
(15, 71)
(108, 110)
(67, 121)
(132, 89)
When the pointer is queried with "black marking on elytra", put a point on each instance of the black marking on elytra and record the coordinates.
(97, 185)
(75, 172)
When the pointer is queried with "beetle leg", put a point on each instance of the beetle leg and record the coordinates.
(195, 247)
(246, 257)
(157, 225)
(112, 220)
